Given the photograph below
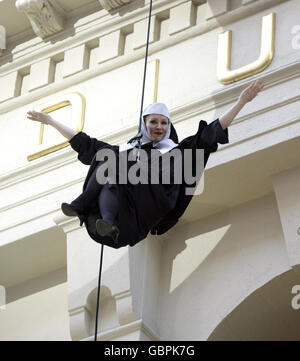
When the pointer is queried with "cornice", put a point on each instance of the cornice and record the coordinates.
(87, 29)
(102, 23)
(88, 32)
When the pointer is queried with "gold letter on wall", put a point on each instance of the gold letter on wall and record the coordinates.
(227, 76)
(151, 82)
(69, 109)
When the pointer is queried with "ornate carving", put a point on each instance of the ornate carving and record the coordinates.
(43, 16)
(113, 4)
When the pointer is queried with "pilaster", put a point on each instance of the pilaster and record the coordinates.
(287, 191)
(129, 287)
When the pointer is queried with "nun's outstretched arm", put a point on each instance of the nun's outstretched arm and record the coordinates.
(246, 96)
(45, 118)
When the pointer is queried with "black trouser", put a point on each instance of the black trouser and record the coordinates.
(107, 198)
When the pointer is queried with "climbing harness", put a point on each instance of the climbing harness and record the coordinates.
(138, 137)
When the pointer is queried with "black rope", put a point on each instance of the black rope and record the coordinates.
(139, 134)
(98, 294)
(137, 137)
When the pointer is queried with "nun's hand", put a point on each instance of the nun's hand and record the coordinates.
(251, 92)
(39, 116)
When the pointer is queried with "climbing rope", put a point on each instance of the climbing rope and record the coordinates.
(138, 138)
(98, 293)
(139, 134)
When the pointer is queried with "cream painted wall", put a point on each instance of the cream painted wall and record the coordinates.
(113, 98)
(112, 104)
(209, 267)
(41, 316)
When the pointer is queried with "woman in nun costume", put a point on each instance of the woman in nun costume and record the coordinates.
(120, 213)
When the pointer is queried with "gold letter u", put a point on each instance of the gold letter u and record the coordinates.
(227, 76)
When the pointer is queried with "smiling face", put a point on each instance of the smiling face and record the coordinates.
(157, 126)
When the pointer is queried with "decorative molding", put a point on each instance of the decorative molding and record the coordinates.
(77, 318)
(181, 113)
(110, 5)
(43, 16)
(95, 30)
(117, 333)
(89, 30)
(68, 224)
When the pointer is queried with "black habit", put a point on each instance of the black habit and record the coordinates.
(145, 208)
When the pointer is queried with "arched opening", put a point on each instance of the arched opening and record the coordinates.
(107, 316)
(265, 315)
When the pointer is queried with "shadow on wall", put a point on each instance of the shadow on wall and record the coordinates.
(197, 249)
(211, 265)
(223, 236)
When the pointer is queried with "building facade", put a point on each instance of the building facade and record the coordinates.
(230, 269)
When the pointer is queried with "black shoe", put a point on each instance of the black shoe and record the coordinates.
(106, 229)
(70, 211)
